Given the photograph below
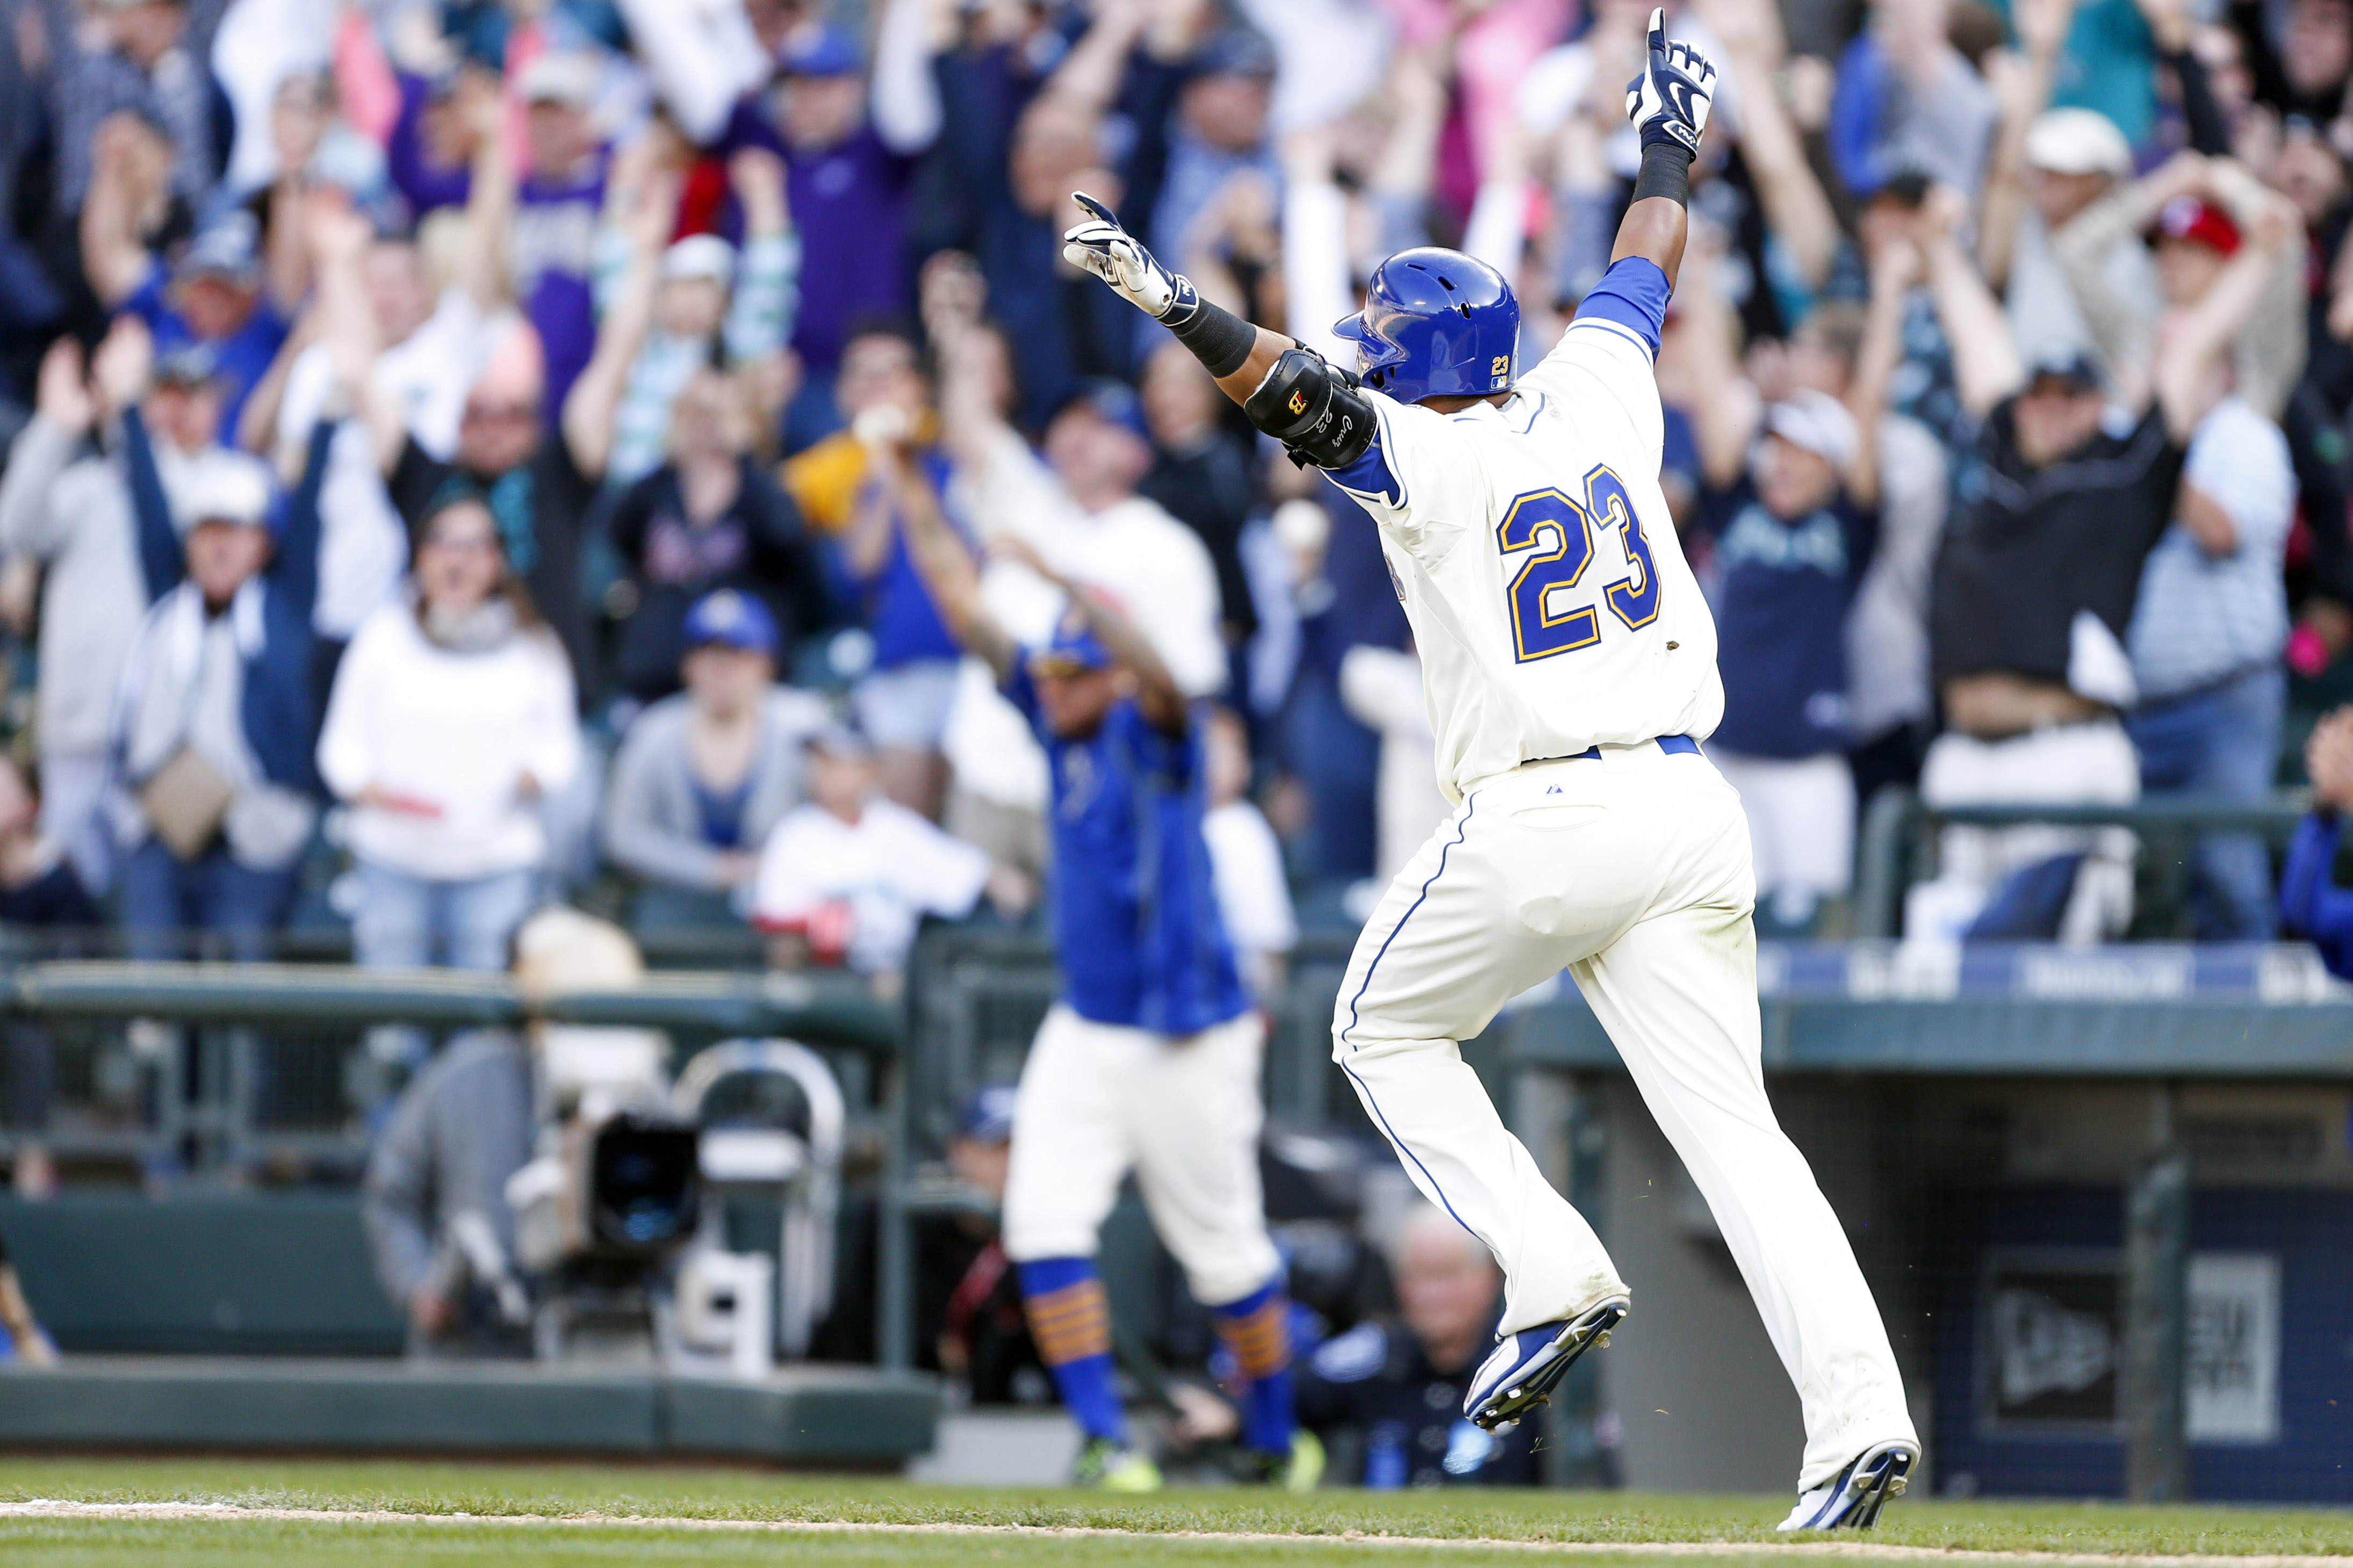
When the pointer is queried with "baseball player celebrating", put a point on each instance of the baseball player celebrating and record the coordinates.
(1150, 1058)
(1570, 671)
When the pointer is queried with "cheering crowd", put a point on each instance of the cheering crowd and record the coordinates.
(456, 448)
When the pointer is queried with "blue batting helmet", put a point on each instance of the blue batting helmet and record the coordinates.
(1436, 322)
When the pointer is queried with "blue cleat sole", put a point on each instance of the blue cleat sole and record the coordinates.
(1535, 1381)
(1863, 1488)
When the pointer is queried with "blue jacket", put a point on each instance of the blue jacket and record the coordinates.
(280, 705)
(2311, 904)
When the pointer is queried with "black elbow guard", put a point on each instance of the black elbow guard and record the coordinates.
(1318, 412)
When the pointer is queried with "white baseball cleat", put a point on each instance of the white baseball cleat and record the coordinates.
(1852, 1499)
(1524, 1367)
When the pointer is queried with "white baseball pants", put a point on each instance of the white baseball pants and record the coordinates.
(1096, 1099)
(1631, 871)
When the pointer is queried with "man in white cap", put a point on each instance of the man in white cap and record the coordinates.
(2047, 166)
(65, 504)
(2074, 158)
(216, 790)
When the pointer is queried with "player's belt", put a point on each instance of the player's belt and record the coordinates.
(1673, 745)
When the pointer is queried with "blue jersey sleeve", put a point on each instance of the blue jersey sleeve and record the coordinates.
(1371, 475)
(1633, 295)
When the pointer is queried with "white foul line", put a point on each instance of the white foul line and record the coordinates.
(59, 1509)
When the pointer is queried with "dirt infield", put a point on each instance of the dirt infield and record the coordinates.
(54, 1509)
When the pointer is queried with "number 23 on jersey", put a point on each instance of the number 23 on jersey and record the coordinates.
(1560, 532)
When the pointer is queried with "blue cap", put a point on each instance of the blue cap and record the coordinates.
(842, 738)
(191, 364)
(988, 1116)
(1114, 402)
(1075, 646)
(1237, 51)
(2067, 363)
(828, 52)
(732, 619)
(229, 247)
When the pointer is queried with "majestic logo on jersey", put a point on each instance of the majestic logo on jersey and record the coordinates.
(1560, 532)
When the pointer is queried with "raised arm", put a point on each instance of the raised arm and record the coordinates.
(129, 166)
(1895, 268)
(64, 412)
(2021, 83)
(1091, 73)
(953, 293)
(940, 557)
(1721, 402)
(490, 197)
(1156, 691)
(2192, 351)
(648, 212)
(2268, 348)
(1668, 104)
(1986, 363)
(1796, 206)
(767, 279)
(2121, 332)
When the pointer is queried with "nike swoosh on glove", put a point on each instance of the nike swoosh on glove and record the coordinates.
(1102, 247)
(1669, 101)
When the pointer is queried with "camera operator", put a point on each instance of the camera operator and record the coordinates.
(435, 1197)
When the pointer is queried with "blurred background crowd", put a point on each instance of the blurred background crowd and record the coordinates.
(434, 483)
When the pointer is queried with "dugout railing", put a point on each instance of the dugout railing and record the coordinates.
(222, 1072)
(1897, 847)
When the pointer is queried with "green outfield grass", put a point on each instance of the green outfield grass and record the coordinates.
(555, 1491)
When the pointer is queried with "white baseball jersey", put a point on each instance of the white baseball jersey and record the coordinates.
(1538, 564)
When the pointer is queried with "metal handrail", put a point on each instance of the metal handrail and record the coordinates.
(1897, 820)
(829, 1010)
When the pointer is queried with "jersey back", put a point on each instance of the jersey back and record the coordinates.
(1537, 561)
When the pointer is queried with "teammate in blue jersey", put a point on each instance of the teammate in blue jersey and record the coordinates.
(1570, 669)
(1150, 1059)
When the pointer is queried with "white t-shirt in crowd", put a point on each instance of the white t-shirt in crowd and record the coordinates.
(1155, 567)
(457, 730)
(891, 868)
(1381, 687)
(1253, 896)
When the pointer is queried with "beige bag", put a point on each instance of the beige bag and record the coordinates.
(185, 801)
